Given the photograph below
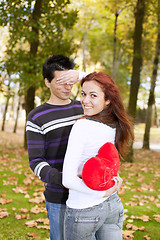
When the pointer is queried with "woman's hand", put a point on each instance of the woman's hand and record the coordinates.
(80, 176)
(68, 77)
(118, 182)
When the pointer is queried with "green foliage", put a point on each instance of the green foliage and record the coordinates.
(97, 22)
(50, 32)
(62, 27)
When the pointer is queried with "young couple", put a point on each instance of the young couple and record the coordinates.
(83, 213)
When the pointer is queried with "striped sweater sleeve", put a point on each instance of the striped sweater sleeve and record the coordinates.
(36, 152)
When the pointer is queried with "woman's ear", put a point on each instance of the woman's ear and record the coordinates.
(47, 83)
(108, 102)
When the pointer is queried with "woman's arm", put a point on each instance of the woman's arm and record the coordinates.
(71, 77)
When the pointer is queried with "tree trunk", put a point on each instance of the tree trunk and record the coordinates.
(6, 106)
(84, 51)
(29, 99)
(156, 121)
(17, 115)
(118, 61)
(30, 94)
(151, 99)
(115, 64)
(136, 65)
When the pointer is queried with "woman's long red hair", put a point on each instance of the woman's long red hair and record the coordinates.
(115, 112)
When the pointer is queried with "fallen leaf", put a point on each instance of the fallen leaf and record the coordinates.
(142, 229)
(20, 190)
(23, 210)
(144, 218)
(17, 216)
(148, 207)
(33, 234)
(27, 181)
(128, 234)
(133, 227)
(3, 195)
(31, 223)
(36, 209)
(37, 199)
(131, 204)
(125, 216)
(43, 227)
(43, 220)
(5, 201)
(27, 196)
(130, 220)
(157, 218)
(23, 216)
(146, 237)
(3, 213)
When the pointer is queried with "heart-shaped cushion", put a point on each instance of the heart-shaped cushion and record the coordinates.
(98, 171)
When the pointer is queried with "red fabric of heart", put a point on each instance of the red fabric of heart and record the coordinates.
(98, 171)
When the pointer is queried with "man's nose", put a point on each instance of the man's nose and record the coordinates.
(68, 86)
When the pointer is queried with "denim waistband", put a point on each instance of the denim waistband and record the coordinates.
(113, 196)
(110, 198)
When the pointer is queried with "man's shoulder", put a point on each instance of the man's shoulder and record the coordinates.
(76, 102)
(36, 110)
(76, 107)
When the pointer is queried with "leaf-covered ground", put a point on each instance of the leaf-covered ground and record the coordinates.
(22, 207)
(140, 194)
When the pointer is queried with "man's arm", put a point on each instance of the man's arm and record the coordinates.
(36, 152)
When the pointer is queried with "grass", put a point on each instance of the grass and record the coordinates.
(15, 172)
(140, 192)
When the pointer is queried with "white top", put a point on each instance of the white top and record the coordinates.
(85, 140)
(82, 75)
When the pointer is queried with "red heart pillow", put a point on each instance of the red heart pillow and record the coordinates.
(98, 171)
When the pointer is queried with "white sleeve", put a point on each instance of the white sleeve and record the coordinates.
(72, 159)
(82, 75)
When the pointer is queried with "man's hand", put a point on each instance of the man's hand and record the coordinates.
(118, 182)
(68, 77)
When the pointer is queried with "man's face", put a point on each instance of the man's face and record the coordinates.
(60, 93)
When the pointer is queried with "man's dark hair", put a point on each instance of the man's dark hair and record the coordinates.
(56, 63)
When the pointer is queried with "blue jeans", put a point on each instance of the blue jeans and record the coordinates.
(104, 220)
(55, 214)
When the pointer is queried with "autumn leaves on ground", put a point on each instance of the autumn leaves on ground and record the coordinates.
(22, 207)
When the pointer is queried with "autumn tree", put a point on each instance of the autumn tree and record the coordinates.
(37, 29)
(136, 65)
(151, 98)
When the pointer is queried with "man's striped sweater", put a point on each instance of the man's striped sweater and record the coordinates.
(48, 128)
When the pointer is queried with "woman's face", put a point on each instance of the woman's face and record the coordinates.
(92, 98)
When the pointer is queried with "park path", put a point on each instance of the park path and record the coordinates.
(20, 130)
(153, 146)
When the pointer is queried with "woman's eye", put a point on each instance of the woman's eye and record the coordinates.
(93, 95)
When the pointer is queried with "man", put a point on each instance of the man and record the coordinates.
(48, 128)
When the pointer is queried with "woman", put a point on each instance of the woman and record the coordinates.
(91, 212)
